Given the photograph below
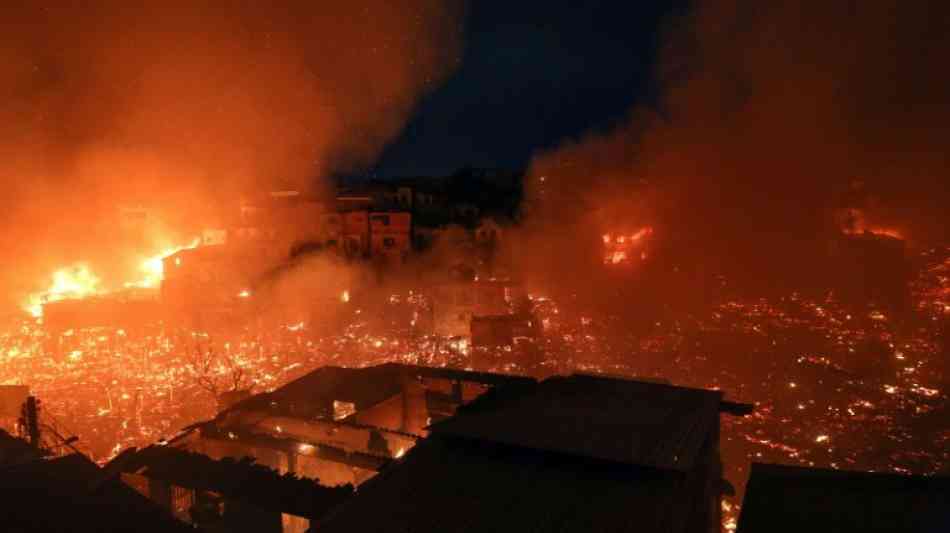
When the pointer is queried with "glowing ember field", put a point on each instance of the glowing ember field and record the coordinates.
(833, 387)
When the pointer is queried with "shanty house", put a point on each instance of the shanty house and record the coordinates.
(340, 425)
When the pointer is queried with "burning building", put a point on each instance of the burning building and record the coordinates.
(626, 249)
(225, 494)
(340, 425)
(429, 445)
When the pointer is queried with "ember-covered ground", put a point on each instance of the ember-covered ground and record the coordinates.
(833, 387)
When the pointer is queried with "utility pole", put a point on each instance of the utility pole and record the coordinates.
(29, 422)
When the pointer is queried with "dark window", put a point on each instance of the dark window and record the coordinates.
(389, 242)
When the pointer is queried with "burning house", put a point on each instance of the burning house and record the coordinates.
(626, 249)
(427, 446)
(228, 494)
(340, 425)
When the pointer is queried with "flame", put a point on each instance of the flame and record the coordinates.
(619, 248)
(151, 267)
(887, 232)
(642, 233)
(75, 281)
(78, 281)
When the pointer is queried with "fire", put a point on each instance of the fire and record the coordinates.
(151, 267)
(618, 257)
(72, 282)
(78, 281)
(886, 232)
(619, 247)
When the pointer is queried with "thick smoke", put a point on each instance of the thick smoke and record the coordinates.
(183, 106)
(770, 111)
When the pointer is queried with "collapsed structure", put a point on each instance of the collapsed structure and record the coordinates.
(428, 445)
(340, 425)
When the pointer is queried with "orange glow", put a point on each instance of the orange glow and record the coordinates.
(861, 229)
(151, 267)
(619, 249)
(78, 281)
(886, 232)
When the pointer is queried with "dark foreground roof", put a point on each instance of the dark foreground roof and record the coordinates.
(451, 485)
(240, 480)
(578, 453)
(14, 450)
(794, 499)
(72, 494)
(623, 421)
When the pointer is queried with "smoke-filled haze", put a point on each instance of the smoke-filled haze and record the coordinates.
(183, 106)
(769, 112)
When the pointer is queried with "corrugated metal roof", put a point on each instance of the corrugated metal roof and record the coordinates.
(630, 422)
(787, 498)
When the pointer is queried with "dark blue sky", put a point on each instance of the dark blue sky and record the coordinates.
(533, 74)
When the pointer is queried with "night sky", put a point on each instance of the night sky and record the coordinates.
(532, 75)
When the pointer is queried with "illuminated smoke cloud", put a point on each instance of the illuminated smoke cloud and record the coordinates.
(769, 112)
(184, 106)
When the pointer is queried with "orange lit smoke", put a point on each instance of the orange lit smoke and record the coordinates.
(751, 143)
(183, 107)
